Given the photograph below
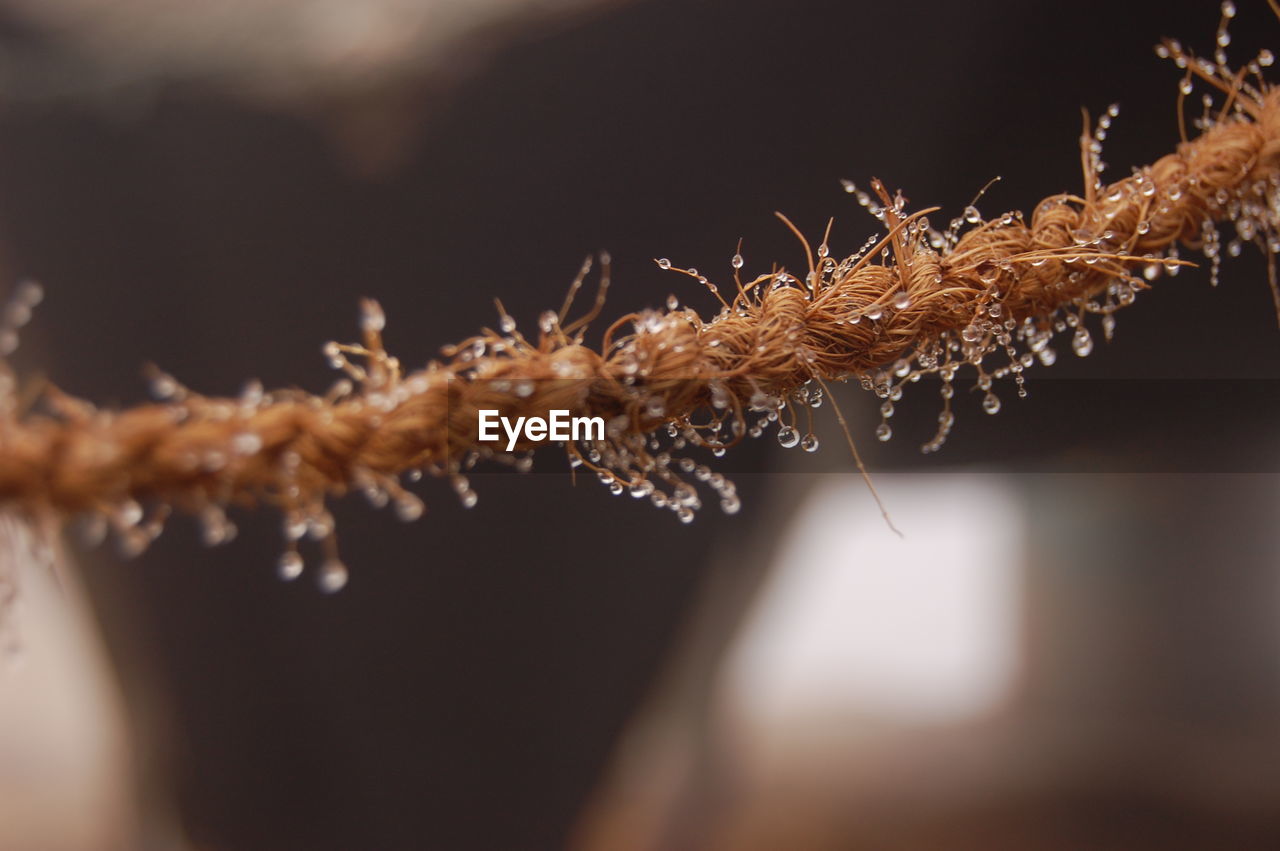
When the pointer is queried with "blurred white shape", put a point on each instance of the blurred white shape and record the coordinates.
(856, 621)
(65, 768)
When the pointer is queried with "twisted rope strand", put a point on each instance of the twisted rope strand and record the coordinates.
(919, 301)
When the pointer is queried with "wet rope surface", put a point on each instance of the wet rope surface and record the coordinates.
(919, 301)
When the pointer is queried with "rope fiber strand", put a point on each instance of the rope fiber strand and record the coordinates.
(991, 294)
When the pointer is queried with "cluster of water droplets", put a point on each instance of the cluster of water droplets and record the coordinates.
(371, 385)
(1252, 208)
(646, 452)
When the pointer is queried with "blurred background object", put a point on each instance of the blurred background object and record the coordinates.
(368, 70)
(65, 758)
(1082, 660)
(555, 666)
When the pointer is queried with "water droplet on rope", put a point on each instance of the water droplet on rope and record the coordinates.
(295, 525)
(246, 443)
(1081, 342)
(409, 507)
(130, 512)
(1108, 327)
(289, 567)
(333, 576)
(372, 319)
(163, 386)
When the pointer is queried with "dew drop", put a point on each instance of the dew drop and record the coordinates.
(664, 263)
(883, 432)
(289, 567)
(1108, 327)
(991, 403)
(320, 525)
(1081, 342)
(333, 576)
(788, 436)
(409, 507)
(901, 300)
(641, 488)
(246, 443)
(130, 512)
(164, 386)
(736, 262)
(372, 318)
(295, 525)
(810, 443)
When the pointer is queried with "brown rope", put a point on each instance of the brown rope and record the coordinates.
(918, 302)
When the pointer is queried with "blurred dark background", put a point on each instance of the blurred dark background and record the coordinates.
(467, 688)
